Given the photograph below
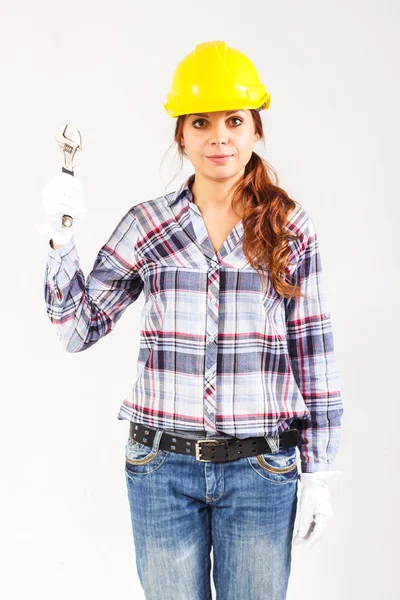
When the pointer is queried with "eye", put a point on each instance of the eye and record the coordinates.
(198, 121)
(205, 120)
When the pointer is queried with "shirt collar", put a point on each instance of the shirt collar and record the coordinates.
(183, 190)
(196, 228)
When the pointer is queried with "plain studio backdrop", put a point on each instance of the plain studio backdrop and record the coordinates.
(332, 134)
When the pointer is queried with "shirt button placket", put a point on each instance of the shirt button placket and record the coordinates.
(210, 403)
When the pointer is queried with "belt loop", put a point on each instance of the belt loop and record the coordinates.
(273, 442)
(156, 440)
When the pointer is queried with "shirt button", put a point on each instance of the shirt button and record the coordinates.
(211, 338)
(327, 314)
(213, 301)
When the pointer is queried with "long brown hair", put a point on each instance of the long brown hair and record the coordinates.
(266, 206)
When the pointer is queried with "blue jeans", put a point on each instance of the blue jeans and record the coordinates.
(180, 508)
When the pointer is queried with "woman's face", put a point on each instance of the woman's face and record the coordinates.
(222, 132)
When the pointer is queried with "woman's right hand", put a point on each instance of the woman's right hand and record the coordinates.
(62, 196)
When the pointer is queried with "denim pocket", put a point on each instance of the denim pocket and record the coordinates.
(279, 467)
(142, 459)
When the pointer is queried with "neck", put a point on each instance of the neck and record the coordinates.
(215, 196)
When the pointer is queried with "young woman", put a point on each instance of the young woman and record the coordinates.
(236, 367)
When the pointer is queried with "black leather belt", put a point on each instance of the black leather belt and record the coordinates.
(209, 450)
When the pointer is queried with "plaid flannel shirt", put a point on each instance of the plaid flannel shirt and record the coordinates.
(217, 353)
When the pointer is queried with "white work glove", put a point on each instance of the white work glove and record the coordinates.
(315, 508)
(62, 196)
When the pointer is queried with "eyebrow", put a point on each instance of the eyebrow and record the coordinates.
(229, 112)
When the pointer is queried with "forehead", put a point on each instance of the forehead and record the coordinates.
(222, 113)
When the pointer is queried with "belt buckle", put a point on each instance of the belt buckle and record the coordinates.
(209, 442)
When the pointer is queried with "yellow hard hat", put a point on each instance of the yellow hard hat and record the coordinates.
(215, 77)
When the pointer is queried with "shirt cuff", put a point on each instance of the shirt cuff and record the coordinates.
(62, 265)
(63, 250)
(312, 467)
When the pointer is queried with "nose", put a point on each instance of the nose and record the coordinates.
(219, 134)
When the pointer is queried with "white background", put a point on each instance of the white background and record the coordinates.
(332, 134)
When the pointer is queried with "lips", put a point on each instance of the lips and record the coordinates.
(220, 159)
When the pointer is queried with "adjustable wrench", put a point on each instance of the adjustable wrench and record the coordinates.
(68, 147)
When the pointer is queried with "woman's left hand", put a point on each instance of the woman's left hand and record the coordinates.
(315, 507)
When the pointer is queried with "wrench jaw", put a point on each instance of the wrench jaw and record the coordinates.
(69, 146)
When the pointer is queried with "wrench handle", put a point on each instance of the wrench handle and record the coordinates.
(66, 219)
